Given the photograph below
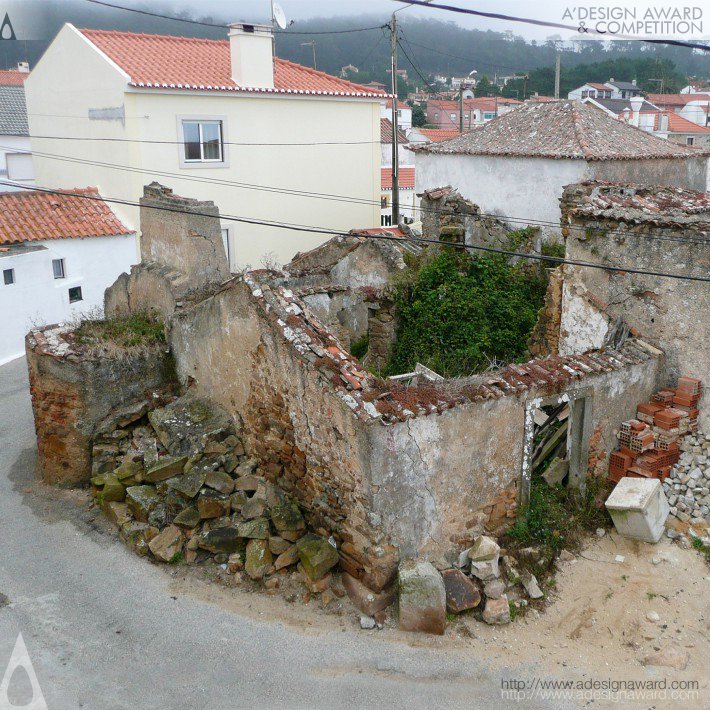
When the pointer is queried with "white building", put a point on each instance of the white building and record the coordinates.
(220, 120)
(407, 198)
(517, 165)
(611, 89)
(15, 157)
(58, 253)
(404, 113)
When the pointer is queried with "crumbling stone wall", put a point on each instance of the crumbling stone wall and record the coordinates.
(545, 338)
(382, 331)
(446, 215)
(336, 278)
(182, 256)
(237, 348)
(73, 391)
(651, 229)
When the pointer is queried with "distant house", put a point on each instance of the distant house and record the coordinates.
(693, 107)
(445, 114)
(15, 148)
(404, 113)
(406, 175)
(517, 165)
(617, 108)
(611, 89)
(221, 120)
(670, 125)
(58, 253)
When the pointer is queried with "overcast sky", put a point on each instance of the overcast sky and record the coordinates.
(302, 9)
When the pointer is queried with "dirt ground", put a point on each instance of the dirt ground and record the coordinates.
(593, 623)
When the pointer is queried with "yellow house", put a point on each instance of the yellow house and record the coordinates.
(221, 120)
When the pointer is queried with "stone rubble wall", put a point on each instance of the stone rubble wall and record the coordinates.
(670, 313)
(73, 391)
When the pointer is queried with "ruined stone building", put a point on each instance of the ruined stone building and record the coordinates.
(395, 471)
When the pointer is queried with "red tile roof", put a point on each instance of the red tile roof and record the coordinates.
(406, 178)
(386, 132)
(436, 135)
(31, 216)
(12, 77)
(161, 61)
(560, 129)
(675, 99)
(676, 123)
(600, 87)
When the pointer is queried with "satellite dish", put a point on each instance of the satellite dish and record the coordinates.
(279, 16)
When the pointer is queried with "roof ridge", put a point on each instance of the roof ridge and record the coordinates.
(579, 130)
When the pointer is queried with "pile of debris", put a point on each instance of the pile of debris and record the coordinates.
(650, 444)
(688, 486)
(483, 579)
(180, 486)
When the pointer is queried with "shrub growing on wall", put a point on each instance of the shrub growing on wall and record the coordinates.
(458, 312)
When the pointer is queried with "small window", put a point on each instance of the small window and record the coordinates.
(58, 268)
(436, 116)
(75, 294)
(8, 276)
(585, 93)
(488, 115)
(452, 116)
(384, 202)
(690, 141)
(202, 141)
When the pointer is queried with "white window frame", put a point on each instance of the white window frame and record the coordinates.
(489, 115)
(63, 268)
(689, 140)
(229, 243)
(209, 163)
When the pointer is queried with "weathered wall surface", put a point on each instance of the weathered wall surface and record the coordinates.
(184, 235)
(436, 476)
(688, 173)
(73, 391)
(308, 440)
(670, 313)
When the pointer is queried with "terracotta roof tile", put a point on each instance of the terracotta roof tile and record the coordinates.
(676, 123)
(563, 129)
(386, 133)
(675, 99)
(11, 77)
(406, 178)
(204, 64)
(29, 216)
(436, 135)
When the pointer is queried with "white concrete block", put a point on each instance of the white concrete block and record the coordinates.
(638, 508)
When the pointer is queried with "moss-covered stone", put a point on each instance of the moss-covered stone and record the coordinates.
(222, 540)
(165, 468)
(141, 500)
(287, 519)
(220, 481)
(137, 535)
(256, 529)
(113, 490)
(258, 558)
(130, 472)
(188, 518)
(189, 484)
(317, 555)
(212, 504)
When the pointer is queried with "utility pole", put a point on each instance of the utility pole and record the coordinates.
(312, 44)
(557, 75)
(461, 108)
(395, 147)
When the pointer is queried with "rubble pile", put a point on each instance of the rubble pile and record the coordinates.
(688, 486)
(179, 485)
(486, 579)
(650, 444)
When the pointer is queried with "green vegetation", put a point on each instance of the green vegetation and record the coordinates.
(359, 347)
(176, 559)
(700, 546)
(557, 516)
(554, 249)
(458, 313)
(138, 329)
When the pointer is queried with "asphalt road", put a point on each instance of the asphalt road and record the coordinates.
(105, 629)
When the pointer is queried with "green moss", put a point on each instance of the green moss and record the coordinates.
(138, 329)
(458, 312)
(521, 237)
(554, 249)
(359, 347)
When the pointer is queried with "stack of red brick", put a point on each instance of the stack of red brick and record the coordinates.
(649, 443)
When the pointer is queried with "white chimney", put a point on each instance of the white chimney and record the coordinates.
(251, 51)
(636, 103)
(24, 67)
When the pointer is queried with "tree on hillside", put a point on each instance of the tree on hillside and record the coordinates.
(485, 87)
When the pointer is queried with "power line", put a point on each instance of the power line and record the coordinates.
(383, 237)
(414, 66)
(544, 23)
(222, 26)
(320, 195)
(158, 142)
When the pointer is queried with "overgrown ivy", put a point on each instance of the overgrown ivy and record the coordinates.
(459, 312)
